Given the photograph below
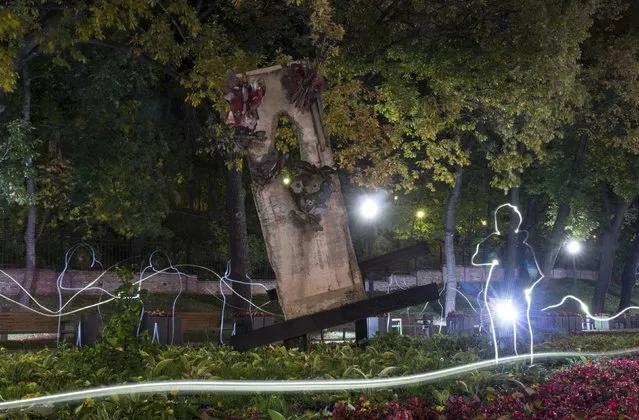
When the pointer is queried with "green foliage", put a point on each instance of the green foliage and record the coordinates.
(286, 135)
(24, 374)
(15, 24)
(18, 148)
(590, 342)
(458, 74)
(119, 331)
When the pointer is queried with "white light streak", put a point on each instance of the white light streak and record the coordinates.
(171, 269)
(192, 387)
(492, 264)
(586, 310)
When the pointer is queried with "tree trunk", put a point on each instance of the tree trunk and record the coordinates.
(511, 251)
(556, 239)
(238, 245)
(557, 235)
(32, 212)
(136, 248)
(610, 243)
(450, 279)
(523, 252)
(628, 277)
(6, 232)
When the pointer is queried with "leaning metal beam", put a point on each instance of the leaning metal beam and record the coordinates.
(383, 261)
(387, 260)
(330, 318)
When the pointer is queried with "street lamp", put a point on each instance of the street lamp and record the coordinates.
(573, 247)
(369, 209)
(506, 311)
(419, 215)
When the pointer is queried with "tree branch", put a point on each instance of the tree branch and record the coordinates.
(31, 48)
(389, 10)
(607, 205)
(43, 222)
(206, 14)
(622, 207)
(169, 71)
(177, 26)
(411, 36)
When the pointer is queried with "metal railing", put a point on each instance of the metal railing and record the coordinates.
(51, 252)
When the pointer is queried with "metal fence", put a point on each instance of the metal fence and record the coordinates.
(52, 252)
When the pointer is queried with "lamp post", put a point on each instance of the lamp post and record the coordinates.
(419, 216)
(573, 247)
(369, 210)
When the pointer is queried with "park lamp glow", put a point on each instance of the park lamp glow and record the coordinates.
(420, 214)
(505, 311)
(573, 247)
(369, 208)
(286, 180)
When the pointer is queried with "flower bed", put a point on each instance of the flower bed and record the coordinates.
(603, 389)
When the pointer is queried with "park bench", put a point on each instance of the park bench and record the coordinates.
(32, 323)
(26, 323)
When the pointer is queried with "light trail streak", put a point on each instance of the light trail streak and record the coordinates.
(528, 293)
(171, 269)
(586, 310)
(188, 387)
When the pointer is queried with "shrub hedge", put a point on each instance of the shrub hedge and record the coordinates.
(27, 374)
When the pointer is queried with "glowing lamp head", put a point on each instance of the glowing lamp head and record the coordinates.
(484, 223)
(420, 214)
(395, 198)
(495, 262)
(505, 311)
(286, 180)
(369, 209)
(573, 247)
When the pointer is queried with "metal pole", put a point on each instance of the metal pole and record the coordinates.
(574, 273)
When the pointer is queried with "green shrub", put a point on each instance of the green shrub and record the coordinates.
(25, 374)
